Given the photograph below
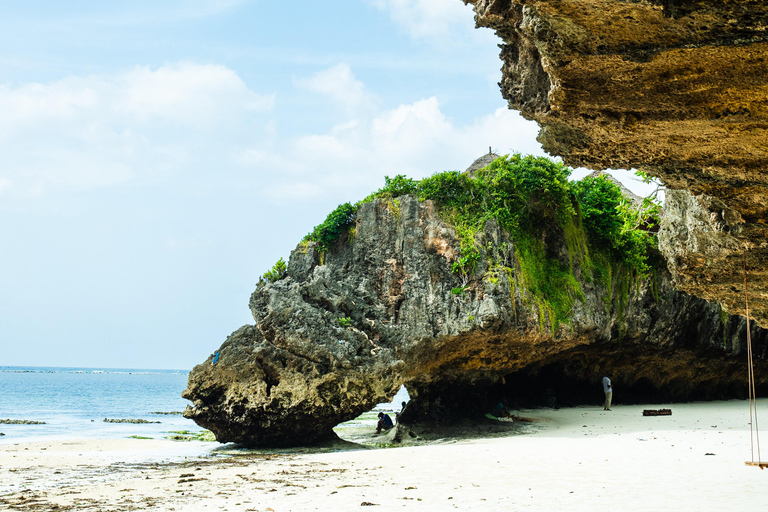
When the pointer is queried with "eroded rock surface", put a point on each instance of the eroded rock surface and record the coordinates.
(704, 243)
(300, 369)
(677, 88)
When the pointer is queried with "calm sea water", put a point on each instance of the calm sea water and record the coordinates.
(73, 402)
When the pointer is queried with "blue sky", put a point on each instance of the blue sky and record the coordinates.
(157, 157)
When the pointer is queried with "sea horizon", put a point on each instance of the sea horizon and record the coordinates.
(75, 369)
(74, 402)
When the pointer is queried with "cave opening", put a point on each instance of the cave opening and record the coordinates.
(556, 386)
(570, 382)
(361, 430)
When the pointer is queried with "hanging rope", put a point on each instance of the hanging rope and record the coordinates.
(754, 438)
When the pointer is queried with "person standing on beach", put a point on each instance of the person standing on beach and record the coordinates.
(608, 389)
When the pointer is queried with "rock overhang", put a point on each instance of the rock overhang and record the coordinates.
(678, 89)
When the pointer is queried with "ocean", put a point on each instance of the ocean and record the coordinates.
(73, 402)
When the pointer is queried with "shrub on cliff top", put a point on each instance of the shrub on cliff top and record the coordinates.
(338, 221)
(519, 193)
(511, 190)
(278, 271)
(613, 225)
(516, 191)
(600, 200)
(398, 186)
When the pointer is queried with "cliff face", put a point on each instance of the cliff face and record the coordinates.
(676, 88)
(382, 308)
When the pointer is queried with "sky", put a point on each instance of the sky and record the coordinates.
(157, 157)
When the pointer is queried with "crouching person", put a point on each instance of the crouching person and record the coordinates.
(385, 423)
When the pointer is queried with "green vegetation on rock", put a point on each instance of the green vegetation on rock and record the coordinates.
(186, 435)
(278, 271)
(530, 198)
(337, 222)
(614, 225)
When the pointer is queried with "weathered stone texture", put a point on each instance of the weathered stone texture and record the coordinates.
(298, 371)
(676, 88)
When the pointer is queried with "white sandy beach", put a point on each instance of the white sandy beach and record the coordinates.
(570, 459)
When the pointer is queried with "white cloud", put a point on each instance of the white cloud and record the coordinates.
(202, 122)
(339, 85)
(32, 104)
(186, 93)
(419, 138)
(410, 128)
(416, 139)
(99, 131)
(434, 19)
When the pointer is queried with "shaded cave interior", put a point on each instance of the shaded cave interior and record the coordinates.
(575, 379)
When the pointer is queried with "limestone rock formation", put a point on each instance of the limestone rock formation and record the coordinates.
(345, 328)
(676, 88)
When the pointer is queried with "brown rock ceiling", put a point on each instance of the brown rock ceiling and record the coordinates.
(678, 88)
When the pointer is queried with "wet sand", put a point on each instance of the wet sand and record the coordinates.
(569, 459)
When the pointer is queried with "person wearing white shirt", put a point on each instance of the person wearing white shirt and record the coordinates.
(608, 389)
